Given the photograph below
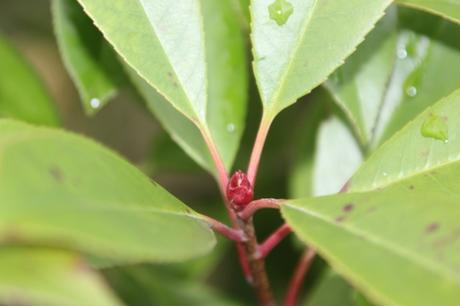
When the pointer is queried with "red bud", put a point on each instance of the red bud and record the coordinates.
(239, 190)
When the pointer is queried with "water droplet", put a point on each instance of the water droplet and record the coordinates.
(95, 103)
(411, 91)
(385, 174)
(280, 11)
(231, 127)
(435, 127)
(402, 53)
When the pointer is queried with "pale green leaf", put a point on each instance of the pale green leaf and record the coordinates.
(41, 277)
(22, 94)
(360, 84)
(292, 58)
(413, 151)
(191, 52)
(400, 244)
(449, 9)
(402, 211)
(89, 60)
(394, 76)
(64, 190)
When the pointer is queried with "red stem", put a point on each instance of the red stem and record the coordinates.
(254, 206)
(223, 181)
(226, 231)
(273, 240)
(257, 148)
(299, 275)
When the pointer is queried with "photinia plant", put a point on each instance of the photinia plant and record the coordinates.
(373, 174)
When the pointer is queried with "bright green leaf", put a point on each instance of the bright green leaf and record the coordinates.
(449, 9)
(89, 60)
(293, 56)
(402, 211)
(22, 94)
(400, 244)
(191, 52)
(413, 151)
(64, 190)
(40, 277)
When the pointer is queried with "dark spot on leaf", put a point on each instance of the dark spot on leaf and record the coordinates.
(81, 266)
(411, 187)
(432, 228)
(340, 219)
(371, 209)
(348, 207)
(11, 236)
(56, 173)
(188, 210)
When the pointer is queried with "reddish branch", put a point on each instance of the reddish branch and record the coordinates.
(254, 206)
(226, 231)
(273, 240)
(299, 275)
(257, 149)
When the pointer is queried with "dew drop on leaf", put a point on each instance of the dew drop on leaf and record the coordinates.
(411, 91)
(280, 11)
(231, 127)
(435, 127)
(95, 103)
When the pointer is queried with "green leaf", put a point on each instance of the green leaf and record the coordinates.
(191, 52)
(360, 84)
(22, 95)
(331, 290)
(402, 211)
(39, 277)
(182, 130)
(61, 189)
(449, 9)
(412, 150)
(295, 51)
(329, 153)
(394, 76)
(89, 60)
(147, 286)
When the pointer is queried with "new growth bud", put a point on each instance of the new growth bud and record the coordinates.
(239, 190)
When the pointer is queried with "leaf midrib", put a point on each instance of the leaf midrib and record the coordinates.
(154, 30)
(380, 243)
(293, 54)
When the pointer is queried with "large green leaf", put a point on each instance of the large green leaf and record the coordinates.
(409, 152)
(298, 43)
(402, 211)
(400, 244)
(394, 76)
(62, 189)
(191, 52)
(449, 9)
(22, 94)
(89, 60)
(39, 277)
